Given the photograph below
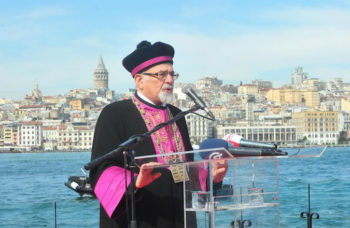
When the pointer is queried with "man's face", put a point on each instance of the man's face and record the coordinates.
(158, 90)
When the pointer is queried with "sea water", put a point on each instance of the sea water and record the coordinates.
(31, 183)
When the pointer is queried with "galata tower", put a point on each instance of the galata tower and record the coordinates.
(101, 76)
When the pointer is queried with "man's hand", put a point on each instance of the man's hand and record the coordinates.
(145, 176)
(219, 170)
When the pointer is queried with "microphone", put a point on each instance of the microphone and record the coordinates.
(197, 100)
(239, 141)
(235, 151)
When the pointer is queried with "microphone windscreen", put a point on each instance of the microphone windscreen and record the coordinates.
(186, 88)
(210, 144)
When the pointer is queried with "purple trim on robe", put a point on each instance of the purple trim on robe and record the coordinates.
(155, 117)
(149, 63)
(110, 188)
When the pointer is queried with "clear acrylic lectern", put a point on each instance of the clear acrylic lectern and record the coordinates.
(247, 197)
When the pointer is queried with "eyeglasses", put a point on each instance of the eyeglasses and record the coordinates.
(162, 75)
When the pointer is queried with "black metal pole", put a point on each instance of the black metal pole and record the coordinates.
(308, 215)
(55, 217)
(126, 187)
(309, 218)
(133, 221)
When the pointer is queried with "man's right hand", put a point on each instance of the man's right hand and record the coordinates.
(146, 176)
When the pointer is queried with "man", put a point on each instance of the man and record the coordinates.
(159, 196)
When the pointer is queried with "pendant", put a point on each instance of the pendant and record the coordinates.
(178, 173)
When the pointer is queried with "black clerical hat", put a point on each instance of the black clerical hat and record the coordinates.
(147, 55)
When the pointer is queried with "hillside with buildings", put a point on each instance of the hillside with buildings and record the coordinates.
(305, 111)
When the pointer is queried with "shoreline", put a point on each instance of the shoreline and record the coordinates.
(68, 151)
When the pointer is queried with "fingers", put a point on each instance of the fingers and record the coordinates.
(149, 165)
(221, 171)
(145, 176)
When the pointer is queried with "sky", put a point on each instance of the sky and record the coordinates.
(58, 44)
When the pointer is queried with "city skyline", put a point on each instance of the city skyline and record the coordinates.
(58, 45)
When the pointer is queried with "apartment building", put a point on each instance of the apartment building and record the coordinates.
(199, 128)
(305, 97)
(317, 127)
(345, 104)
(75, 137)
(248, 89)
(30, 135)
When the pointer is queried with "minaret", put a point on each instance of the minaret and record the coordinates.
(101, 76)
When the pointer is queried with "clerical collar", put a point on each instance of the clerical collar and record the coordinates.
(144, 99)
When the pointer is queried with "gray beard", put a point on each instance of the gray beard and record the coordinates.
(166, 97)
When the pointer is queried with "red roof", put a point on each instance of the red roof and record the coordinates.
(33, 106)
(30, 123)
(50, 128)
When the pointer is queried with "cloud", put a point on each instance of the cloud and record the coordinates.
(43, 13)
(313, 38)
(309, 16)
(250, 54)
(31, 24)
(232, 50)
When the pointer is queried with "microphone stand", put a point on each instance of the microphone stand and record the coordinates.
(128, 148)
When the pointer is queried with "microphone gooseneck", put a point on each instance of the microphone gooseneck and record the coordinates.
(197, 100)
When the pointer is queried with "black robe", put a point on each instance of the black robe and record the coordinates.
(159, 204)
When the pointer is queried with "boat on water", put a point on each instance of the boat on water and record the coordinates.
(81, 185)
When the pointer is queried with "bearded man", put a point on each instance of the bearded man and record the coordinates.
(159, 196)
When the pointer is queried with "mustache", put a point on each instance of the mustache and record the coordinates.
(167, 86)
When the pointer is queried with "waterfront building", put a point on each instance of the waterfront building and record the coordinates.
(72, 137)
(261, 132)
(30, 135)
(317, 127)
(344, 121)
(9, 133)
(50, 136)
(199, 128)
(101, 76)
